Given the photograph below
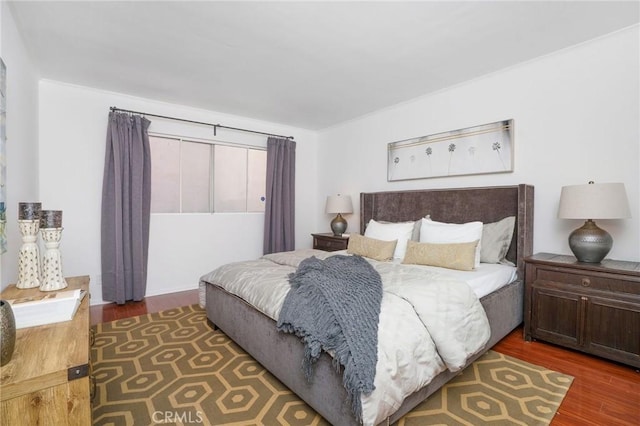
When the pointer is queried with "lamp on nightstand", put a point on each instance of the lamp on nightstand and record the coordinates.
(592, 201)
(339, 204)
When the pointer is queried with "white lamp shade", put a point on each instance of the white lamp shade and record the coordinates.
(594, 201)
(339, 204)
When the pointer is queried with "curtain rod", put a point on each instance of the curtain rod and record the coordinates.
(215, 126)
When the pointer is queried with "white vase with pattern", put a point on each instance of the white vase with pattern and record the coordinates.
(52, 277)
(29, 256)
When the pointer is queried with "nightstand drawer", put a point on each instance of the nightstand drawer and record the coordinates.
(330, 245)
(591, 280)
(329, 242)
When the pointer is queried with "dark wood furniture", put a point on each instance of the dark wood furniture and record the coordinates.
(329, 242)
(594, 308)
(47, 381)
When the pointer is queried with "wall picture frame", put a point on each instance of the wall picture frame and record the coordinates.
(3, 156)
(486, 148)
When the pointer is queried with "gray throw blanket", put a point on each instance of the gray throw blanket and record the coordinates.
(334, 305)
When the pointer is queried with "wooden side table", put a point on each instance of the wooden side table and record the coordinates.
(590, 307)
(329, 242)
(47, 381)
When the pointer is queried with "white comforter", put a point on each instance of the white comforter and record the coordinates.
(428, 321)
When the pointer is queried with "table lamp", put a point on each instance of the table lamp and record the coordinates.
(590, 243)
(339, 204)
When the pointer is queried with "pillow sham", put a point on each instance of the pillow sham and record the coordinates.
(370, 247)
(415, 234)
(415, 231)
(389, 232)
(496, 239)
(441, 232)
(460, 256)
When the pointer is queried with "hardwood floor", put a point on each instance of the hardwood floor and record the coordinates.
(602, 393)
(112, 311)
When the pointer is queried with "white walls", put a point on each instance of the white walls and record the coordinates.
(73, 123)
(22, 137)
(576, 118)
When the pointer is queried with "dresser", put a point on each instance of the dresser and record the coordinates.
(47, 381)
(329, 242)
(594, 308)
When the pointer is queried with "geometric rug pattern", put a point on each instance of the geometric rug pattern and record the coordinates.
(495, 390)
(170, 367)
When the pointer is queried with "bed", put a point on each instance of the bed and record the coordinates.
(256, 332)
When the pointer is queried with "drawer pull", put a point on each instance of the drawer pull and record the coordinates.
(586, 282)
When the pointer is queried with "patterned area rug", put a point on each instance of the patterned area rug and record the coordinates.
(171, 368)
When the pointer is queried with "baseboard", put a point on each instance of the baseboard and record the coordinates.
(96, 292)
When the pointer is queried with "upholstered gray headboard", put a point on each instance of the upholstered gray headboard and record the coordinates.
(459, 205)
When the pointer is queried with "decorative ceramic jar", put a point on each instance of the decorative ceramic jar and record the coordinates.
(29, 255)
(7, 332)
(52, 277)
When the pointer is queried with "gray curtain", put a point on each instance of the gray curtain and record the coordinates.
(279, 211)
(126, 206)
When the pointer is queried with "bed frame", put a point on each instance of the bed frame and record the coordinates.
(282, 353)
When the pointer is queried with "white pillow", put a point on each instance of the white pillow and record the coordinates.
(415, 234)
(440, 232)
(390, 232)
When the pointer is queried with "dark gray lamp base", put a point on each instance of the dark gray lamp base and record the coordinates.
(338, 225)
(590, 244)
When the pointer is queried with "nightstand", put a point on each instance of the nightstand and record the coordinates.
(590, 307)
(329, 242)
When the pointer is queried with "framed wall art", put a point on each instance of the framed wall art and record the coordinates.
(475, 150)
(3, 156)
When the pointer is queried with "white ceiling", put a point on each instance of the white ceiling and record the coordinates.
(306, 64)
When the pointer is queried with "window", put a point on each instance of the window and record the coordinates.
(199, 177)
